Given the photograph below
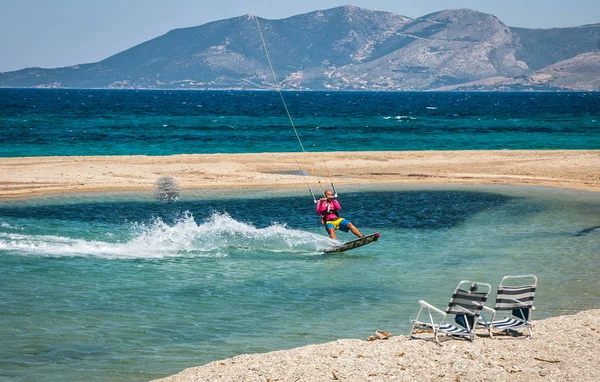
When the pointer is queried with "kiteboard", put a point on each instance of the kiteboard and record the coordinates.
(355, 243)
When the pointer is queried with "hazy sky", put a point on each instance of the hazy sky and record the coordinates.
(54, 33)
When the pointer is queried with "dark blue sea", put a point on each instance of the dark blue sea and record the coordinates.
(127, 287)
(123, 122)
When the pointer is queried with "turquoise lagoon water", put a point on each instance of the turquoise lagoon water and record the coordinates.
(124, 287)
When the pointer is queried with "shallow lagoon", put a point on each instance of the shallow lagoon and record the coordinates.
(124, 287)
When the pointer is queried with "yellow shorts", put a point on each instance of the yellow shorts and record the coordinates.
(339, 223)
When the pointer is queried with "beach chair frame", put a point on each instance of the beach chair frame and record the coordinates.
(465, 302)
(518, 299)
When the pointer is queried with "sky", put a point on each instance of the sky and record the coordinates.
(57, 33)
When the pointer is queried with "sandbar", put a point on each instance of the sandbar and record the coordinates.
(31, 176)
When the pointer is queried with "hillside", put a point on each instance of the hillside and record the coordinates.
(344, 48)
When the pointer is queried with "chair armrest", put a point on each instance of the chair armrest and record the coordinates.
(428, 305)
(486, 323)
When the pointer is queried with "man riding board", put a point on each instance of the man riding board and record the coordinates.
(328, 207)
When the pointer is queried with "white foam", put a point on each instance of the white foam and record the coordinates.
(219, 235)
(401, 117)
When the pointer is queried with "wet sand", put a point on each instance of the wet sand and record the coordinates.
(30, 176)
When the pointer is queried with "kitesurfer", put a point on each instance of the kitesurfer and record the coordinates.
(328, 207)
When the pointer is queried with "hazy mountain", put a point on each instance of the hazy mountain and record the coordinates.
(448, 47)
(581, 72)
(544, 47)
(344, 48)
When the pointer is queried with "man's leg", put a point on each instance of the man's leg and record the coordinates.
(354, 230)
(331, 233)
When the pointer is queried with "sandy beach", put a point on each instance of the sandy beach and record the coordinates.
(564, 348)
(30, 176)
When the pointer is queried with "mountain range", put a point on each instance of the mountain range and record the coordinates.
(346, 48)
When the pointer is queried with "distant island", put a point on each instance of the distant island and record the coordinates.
(346, 48)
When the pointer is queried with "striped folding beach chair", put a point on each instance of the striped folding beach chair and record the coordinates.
(515, 296)
(465, 307)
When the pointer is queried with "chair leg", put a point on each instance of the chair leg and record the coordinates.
(413, 329)
(415, 323)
